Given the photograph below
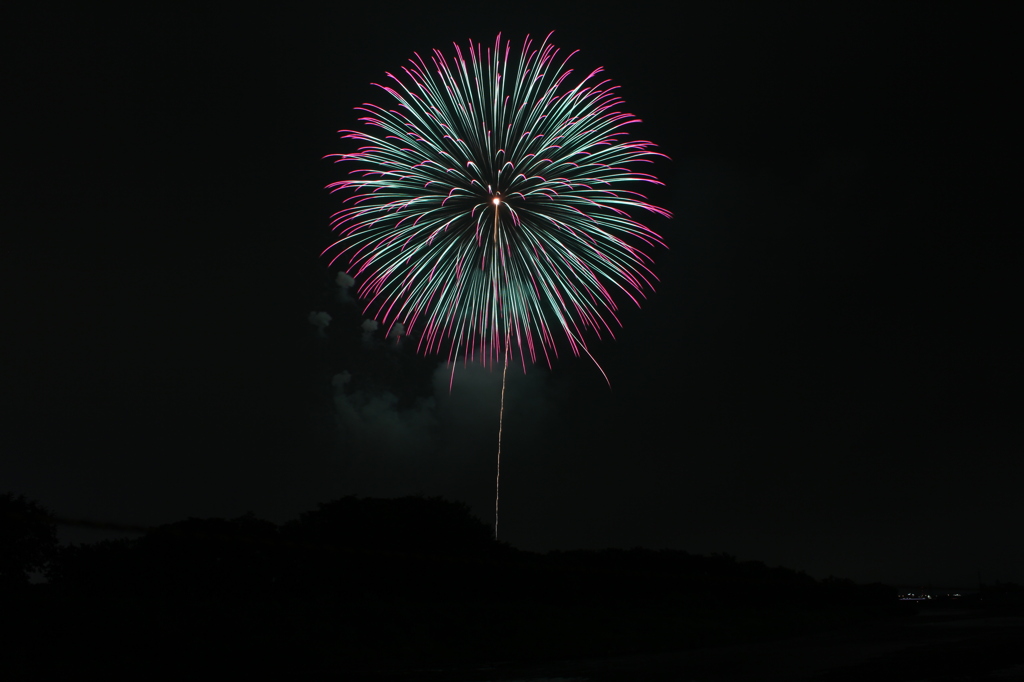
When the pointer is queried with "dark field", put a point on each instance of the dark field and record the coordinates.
(417, 589)
(935, 645)
(438, 641)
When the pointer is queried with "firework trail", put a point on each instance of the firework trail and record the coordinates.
(491, 129)
(501, 423)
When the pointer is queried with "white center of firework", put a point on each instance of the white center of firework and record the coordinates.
(495, 201)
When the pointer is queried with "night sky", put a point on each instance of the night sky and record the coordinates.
(827, 377)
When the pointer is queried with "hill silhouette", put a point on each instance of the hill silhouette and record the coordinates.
(363, 585)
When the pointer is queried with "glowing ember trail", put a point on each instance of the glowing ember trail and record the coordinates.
(501, 423)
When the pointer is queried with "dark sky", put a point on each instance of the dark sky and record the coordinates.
(828, 376)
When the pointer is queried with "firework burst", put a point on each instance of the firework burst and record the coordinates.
(489, 206)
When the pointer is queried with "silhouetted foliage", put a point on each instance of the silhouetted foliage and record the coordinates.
(1002, 594)
(386, 548)
(412, 525)
(191, 558)
(107, 567)
(679, 577)
(211, 556)
(28, 539)
(357, 582)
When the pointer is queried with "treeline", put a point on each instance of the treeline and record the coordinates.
(405, 548)
(372, 584)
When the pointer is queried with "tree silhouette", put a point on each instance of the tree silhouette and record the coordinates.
(28, 539)
(428, 526)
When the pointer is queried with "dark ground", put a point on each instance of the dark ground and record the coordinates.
(937, 645)
(329, 632)
(418, 589)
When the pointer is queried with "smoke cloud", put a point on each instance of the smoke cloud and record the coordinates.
(445, 443)
(320, 320)
(396, 332)
(345, 283)
(377, 422)
(368, 327)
